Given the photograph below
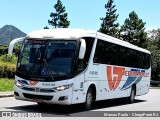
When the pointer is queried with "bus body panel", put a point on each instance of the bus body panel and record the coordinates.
(110, 81)
(98, 72)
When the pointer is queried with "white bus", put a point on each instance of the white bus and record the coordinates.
(70, 66)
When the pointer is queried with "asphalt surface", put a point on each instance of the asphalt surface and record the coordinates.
(148, 102)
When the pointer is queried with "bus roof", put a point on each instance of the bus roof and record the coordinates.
(70, 33)
(59, 33)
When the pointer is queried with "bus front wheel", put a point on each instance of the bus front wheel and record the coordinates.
(132, 95)
(89, 99)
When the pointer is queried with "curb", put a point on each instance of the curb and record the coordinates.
(6, 94)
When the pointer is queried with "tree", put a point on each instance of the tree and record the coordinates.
(133, 30)
(59, 18)
(152, 44)
(4, 49)
(154, 35)
(108, 25)
(46, 27)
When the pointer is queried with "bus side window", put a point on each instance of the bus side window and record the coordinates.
(89, 45)
(106, 53)
(99, 52)
(122, 56)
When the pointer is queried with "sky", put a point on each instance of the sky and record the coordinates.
(30, 15)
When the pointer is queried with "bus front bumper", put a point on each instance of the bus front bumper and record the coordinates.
(37, 95)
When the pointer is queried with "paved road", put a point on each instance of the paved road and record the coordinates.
(149, 102)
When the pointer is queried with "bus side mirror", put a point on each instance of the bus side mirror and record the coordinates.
(12, 43)
(82, 49)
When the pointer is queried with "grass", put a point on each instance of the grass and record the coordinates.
(6, 84)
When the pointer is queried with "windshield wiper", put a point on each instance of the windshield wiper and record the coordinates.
(49, 70)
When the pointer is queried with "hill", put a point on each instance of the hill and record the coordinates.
(8, 33)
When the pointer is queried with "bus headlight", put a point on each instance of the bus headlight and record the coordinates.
(18, 84)
(64, 87)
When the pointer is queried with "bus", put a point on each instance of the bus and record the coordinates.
(70, 66)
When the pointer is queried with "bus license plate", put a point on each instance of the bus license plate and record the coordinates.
(37, 100)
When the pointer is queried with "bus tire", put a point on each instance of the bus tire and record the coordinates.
(132, 95)
(89, 99)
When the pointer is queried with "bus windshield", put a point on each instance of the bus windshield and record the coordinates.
(47, 58)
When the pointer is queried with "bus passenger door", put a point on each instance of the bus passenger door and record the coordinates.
(79, 95)
(78, 87)
(78, 82)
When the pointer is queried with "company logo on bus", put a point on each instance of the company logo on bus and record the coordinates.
(33, 83)
(115, 75)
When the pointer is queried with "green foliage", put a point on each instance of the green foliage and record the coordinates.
(59, 18)
(8, 65)
(2, 69)
(154, 35)
(108, 25)
(16, 49)
(46, 27)
(153, 46)
(10, 70)
(6, 84)
(133, 30)
(7, 69)
(8, 58)
(4, 49)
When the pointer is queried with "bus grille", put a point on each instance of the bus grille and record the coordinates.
(28, 89)
(32, 96)
(40, 89)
